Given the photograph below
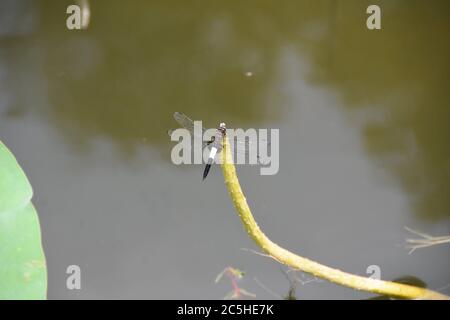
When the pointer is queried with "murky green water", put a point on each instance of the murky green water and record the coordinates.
(364, 127)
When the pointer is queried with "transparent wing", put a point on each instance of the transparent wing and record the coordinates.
(204, 143)
(186, 122)
(246, 147)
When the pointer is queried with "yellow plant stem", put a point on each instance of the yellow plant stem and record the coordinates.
(295, 261)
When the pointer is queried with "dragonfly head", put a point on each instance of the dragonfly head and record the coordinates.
(222, 127)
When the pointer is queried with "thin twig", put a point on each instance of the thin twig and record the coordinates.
(425, 241)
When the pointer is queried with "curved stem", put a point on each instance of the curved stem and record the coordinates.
(297, 262)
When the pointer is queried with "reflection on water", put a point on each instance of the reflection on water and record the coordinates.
(122, 78)
(411, 280)
(401, 74)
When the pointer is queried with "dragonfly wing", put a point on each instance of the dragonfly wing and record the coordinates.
(186, 122)
(204, 143)
(249, 147)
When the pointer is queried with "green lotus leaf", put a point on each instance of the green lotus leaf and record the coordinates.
(23, 272)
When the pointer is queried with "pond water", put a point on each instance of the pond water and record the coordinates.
(364, 126)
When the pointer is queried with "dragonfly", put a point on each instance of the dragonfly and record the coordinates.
(240, 146)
